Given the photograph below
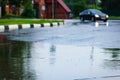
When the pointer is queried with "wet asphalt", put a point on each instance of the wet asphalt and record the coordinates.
(75, 51)
(74, 32)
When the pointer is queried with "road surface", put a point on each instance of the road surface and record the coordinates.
(74, 51)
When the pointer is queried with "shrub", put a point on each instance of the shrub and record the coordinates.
(12, 16)
(28, 13)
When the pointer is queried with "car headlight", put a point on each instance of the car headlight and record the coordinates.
(107, 16)
(96, 15)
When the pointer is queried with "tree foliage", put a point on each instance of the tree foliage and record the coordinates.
(16, 3)
(79, 5)
(28, 9)
(2, 5)
(76, 6)
(111, 7)
(110, 4)
(25, 4)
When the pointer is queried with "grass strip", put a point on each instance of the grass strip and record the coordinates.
(114, 17)
(27, 21)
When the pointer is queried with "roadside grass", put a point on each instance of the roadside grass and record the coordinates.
(114, 17)
(27, 21)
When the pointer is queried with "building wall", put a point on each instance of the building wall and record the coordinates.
(48, 11)
(39, 6)
(42, 9)
(55, 10)
(61, 13)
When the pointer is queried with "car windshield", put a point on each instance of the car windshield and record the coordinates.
(96, 12)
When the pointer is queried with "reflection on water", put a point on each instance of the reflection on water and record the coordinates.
(97, 24)
(113, 62)
(115, 52)
(14, 64)
(42, 61)
(52, 54)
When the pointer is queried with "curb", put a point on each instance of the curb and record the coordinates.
(4, 28)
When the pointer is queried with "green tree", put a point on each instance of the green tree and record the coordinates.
(76, 6)
(2, 4)
(26, 4)
(79, 6)
(16, 3)
(28, 9)
(111, 7)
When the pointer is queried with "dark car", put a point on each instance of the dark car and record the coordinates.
(93, 15)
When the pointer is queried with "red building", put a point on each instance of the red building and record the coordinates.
(45, 9)
(51, 9)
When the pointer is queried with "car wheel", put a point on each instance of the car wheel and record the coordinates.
(82, 19)
(93, 19)
(105, 20)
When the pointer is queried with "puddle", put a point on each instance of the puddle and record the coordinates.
(44, 61)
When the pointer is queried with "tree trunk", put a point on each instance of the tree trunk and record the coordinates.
(0, 12)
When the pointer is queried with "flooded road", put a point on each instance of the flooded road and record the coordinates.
(75, 51)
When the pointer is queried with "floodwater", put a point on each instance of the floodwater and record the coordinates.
(76, 51)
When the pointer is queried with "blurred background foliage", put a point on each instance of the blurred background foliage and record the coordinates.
(111, 7)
